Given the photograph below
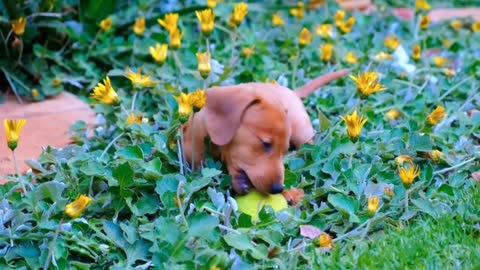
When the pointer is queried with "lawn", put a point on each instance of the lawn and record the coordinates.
(389, 182)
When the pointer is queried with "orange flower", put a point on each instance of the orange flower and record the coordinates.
(417, 52)
(240, 11)
(76, 208)
(325, 241)
(424, 22)
(298, 12)
(19, 26)
(305, 38)
(327, 52)
(139, 26)
(408, 175)
(436, 116)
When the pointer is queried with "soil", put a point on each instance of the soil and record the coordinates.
(48, 123)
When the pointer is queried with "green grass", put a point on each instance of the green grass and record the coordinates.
(447, 242)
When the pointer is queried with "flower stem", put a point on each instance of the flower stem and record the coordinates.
(407, 192)
(180, 156)
(132, 57)
(21, 51)
(109, 145)
(17, 171)
(124, 110)
(182, 152)
(179, 203)
(454, 167)
(455, 87)
(351, 232)
(207, 41)
(93, 43)
(294, 72)
(134, 99)
(234, 44)
(52, 246)
(7, 52)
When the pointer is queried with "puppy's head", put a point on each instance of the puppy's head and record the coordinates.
(252, 134)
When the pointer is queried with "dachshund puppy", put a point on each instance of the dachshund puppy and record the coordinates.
(251, 127)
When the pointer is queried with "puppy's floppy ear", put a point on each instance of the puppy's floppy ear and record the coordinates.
(224, 110)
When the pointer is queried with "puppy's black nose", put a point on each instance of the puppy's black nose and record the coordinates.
(277, 188)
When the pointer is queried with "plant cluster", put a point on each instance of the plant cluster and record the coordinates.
(398, 139)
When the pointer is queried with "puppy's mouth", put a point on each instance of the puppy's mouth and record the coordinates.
(244, 182)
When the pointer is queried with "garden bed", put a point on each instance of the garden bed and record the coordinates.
(397, 190)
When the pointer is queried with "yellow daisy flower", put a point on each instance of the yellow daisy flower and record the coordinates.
(354, 125)
(207, 21)
(139, 26)
(76, 208)
(277, 20)
(368, 84)
(324, 30)
(139, 80)
(19, 26)
(240, 11)
(327, 52)
(373, 205)
(170, 22)
(305, 38)
(325, 241)
(408, 174)
(159, 53)
(105, 93)
(436, 116)
(106, 24)
(204, 66)
(13, 128)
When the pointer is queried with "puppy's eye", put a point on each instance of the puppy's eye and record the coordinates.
(267, 146)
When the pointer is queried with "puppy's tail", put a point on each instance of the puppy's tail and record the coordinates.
(310, 87)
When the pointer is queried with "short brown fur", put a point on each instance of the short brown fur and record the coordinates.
(251, 127)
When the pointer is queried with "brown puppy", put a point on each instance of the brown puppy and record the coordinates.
(251, 127)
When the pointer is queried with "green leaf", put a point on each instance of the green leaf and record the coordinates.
(238, 241)
(296, 163)
(202, 225)
(324, 122)
(344, 146)
(148, 204)
(124, 175)
(93, 168)
(52, 190)
(129, 232)
(210, 172)
(420, 143)
(168, 183)
(137, 251)
(197, 184)
(425, 206)
(131, 153)
(114, 233)
(167, 230)
(344, 204)
(242, 242)
(153, 169)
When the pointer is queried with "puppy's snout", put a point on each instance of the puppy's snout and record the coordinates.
(277, 188)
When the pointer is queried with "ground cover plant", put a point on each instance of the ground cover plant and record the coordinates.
(389, 183)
